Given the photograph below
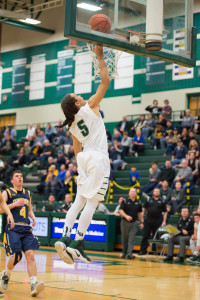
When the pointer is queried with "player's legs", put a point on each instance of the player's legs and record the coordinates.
(36, 287)
(5, 275)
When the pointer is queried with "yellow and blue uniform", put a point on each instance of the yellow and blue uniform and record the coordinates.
(20, 238)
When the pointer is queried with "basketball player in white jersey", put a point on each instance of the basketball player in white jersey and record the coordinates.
(90, 146)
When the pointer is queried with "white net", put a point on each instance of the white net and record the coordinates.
(111, 58)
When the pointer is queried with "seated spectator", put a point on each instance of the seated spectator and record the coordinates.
(193, 147)
(193, 163)
(193, 238)
(60, 137)
(115, 154)
(41, 137)
(185, 137)
(74, 171)
(102, 209)
(52, 185)
(182, 114)
(116, 136)
(167, 173)
(154, 109)
(20, 159)
(184, 174)
(127, 144)
(68, 203)
(69, 185)
(117, 209)
(54, 170)
(186, 227)
(68, 138)
(162, 121)
(71, 169)
(134, 176)
(197, 124)
(172, 141)
(165, 192)
(59, 160)
(11, 131)
(34, 156)
(49, 132)
(158, 135)
(46, 152)
(138, 125)
(188, 120)
(192, 135)
(71, 156)
(7, 145)
(177, 198)
(166, 135)
(123, 125)
(167, 110)
(53, 204)
(30, 131)
(62, 172)
(27, 147)
(153, 178)
(149, 126)
(179, 153)
(138, 142)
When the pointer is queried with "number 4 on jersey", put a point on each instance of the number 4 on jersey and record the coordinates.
(84, 130)
(23, 212)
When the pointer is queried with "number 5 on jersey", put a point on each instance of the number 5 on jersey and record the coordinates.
(84, 130)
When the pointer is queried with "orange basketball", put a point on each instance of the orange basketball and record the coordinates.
(101, 23)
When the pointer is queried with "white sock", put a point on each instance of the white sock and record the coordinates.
(72, 214)
(85, 218)
(8, 272)
(33, 279)
(196, 253)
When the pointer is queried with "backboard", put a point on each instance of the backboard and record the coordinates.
(129, 18)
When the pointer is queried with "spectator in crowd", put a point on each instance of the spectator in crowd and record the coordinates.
(49, 132)
(27, 147)
(162, 121)
(54, 169)
(41, 137)
(69, 185)
(179, 153)
(108, 134)
(167, 173)
(155, 217)
(30, 131)
(193, 163)
(134, 176)
(188, 120)
(127, 144)
(193, 147)
(68, 138)
(11, 131)
(185, 137)
(184, 174)
(149, 126)
(197, 124)
(165, 192)
(123, 126)
(62, 172)
(56, 128)
(117, 209)
(52, 185)
(192, 136)
(7, 145)
(102, 209)
(158, 135)
(186, 227)
(53, 204)
(154, 109)
(166, 135)
(167, 110)
(60, 136)
(177, 198)
(172, 141)
(46, 152)
(70, 156)
(34, 156)
(115, 154)
(131, 213)
(182, 114)
(153, 178)
(193, 238)
(138, 125)
(138, 142)
(68, 203)
(60, 159)
(116, 136)
(20, 159)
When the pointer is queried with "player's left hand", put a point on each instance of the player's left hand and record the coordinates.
(34, 222)
(11, 221)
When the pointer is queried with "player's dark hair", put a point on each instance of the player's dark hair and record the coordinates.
(15, 172)
(69, 109)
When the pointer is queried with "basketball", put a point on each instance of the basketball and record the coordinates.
(101, 23)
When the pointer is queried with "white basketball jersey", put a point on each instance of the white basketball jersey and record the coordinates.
(89, 130)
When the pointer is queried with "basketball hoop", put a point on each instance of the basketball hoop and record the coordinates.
(111, 58)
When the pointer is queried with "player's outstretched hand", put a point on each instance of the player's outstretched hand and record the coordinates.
(34, 222)
(11, 221)
(98, 51)
(20, 202)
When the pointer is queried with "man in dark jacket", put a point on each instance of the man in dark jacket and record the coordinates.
(167, 173)
(186, 227)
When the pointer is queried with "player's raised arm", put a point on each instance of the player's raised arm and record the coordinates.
(5, 208)
(105, 79)
(77, 145)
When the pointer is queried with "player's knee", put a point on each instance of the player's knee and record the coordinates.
(30, 255)
(18, 257)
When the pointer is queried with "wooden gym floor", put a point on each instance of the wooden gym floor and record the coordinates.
(106, 277)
